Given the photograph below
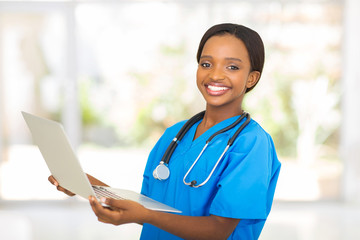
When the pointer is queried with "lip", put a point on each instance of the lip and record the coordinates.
(216, 89)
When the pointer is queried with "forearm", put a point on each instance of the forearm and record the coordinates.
(95, 181)
(186, 227)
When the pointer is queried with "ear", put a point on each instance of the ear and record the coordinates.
(253, 78)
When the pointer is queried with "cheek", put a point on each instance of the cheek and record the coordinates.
(199, 78)
(240, 82)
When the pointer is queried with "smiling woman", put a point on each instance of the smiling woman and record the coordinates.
(252, 49)
(133, 68)
(235, 198)
(225, 72)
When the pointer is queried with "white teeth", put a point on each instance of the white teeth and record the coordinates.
(215, 88)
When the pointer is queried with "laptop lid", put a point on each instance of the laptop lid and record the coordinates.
(63, 164)
(58, 154)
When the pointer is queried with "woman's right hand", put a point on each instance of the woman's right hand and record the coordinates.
(53, 181)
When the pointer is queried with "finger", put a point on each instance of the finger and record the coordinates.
(69, 193)
(64, 190)
(102, 220)
(127, 211)
(98, 209)
(116, 204)
(105, 214)
(53, 181)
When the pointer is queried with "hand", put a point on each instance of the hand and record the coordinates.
(53, 181)
(120, 211)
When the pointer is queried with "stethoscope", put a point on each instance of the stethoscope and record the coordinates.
(162, 171)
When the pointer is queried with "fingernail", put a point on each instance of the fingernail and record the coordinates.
(103, 199)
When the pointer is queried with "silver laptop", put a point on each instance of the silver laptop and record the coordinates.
(64, 165)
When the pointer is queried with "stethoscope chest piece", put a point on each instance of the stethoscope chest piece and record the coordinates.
(161, 172)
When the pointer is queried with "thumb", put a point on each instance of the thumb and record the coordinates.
(120, 204)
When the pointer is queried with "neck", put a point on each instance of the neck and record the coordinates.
(215, 115)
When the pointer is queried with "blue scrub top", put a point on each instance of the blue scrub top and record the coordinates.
(241, 187)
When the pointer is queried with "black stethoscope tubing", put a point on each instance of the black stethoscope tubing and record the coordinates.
(171, 148)
(162, 171)
(169, 151)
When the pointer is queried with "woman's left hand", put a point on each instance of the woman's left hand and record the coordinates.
(120, 211)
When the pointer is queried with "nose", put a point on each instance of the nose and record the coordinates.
(217, 73)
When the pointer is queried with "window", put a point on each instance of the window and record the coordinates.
(116, 75)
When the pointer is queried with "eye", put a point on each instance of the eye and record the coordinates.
(233, 67)
(205, 65)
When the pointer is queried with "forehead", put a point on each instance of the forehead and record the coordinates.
(225, 46)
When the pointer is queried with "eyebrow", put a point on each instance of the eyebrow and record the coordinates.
(228, 58)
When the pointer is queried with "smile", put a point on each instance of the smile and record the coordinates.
(216, 90)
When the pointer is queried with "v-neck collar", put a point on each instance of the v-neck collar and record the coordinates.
(188, 141)
(206, 135)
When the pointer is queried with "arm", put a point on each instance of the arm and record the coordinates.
(209, 227)
(187, 227)
(92, 180)
(95, 181)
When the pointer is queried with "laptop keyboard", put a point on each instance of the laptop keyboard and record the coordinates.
(103, 192)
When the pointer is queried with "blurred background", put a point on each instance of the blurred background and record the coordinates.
(118, 73)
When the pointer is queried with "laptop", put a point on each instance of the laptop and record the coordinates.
(64, 165)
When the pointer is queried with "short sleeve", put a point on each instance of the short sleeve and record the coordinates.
(245, 188)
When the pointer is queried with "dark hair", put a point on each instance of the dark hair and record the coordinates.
(249, 37)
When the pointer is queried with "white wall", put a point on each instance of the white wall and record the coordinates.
(350, 138)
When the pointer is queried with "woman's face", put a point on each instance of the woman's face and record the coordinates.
(223, 73)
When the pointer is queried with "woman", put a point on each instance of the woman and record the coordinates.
(233, 199)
